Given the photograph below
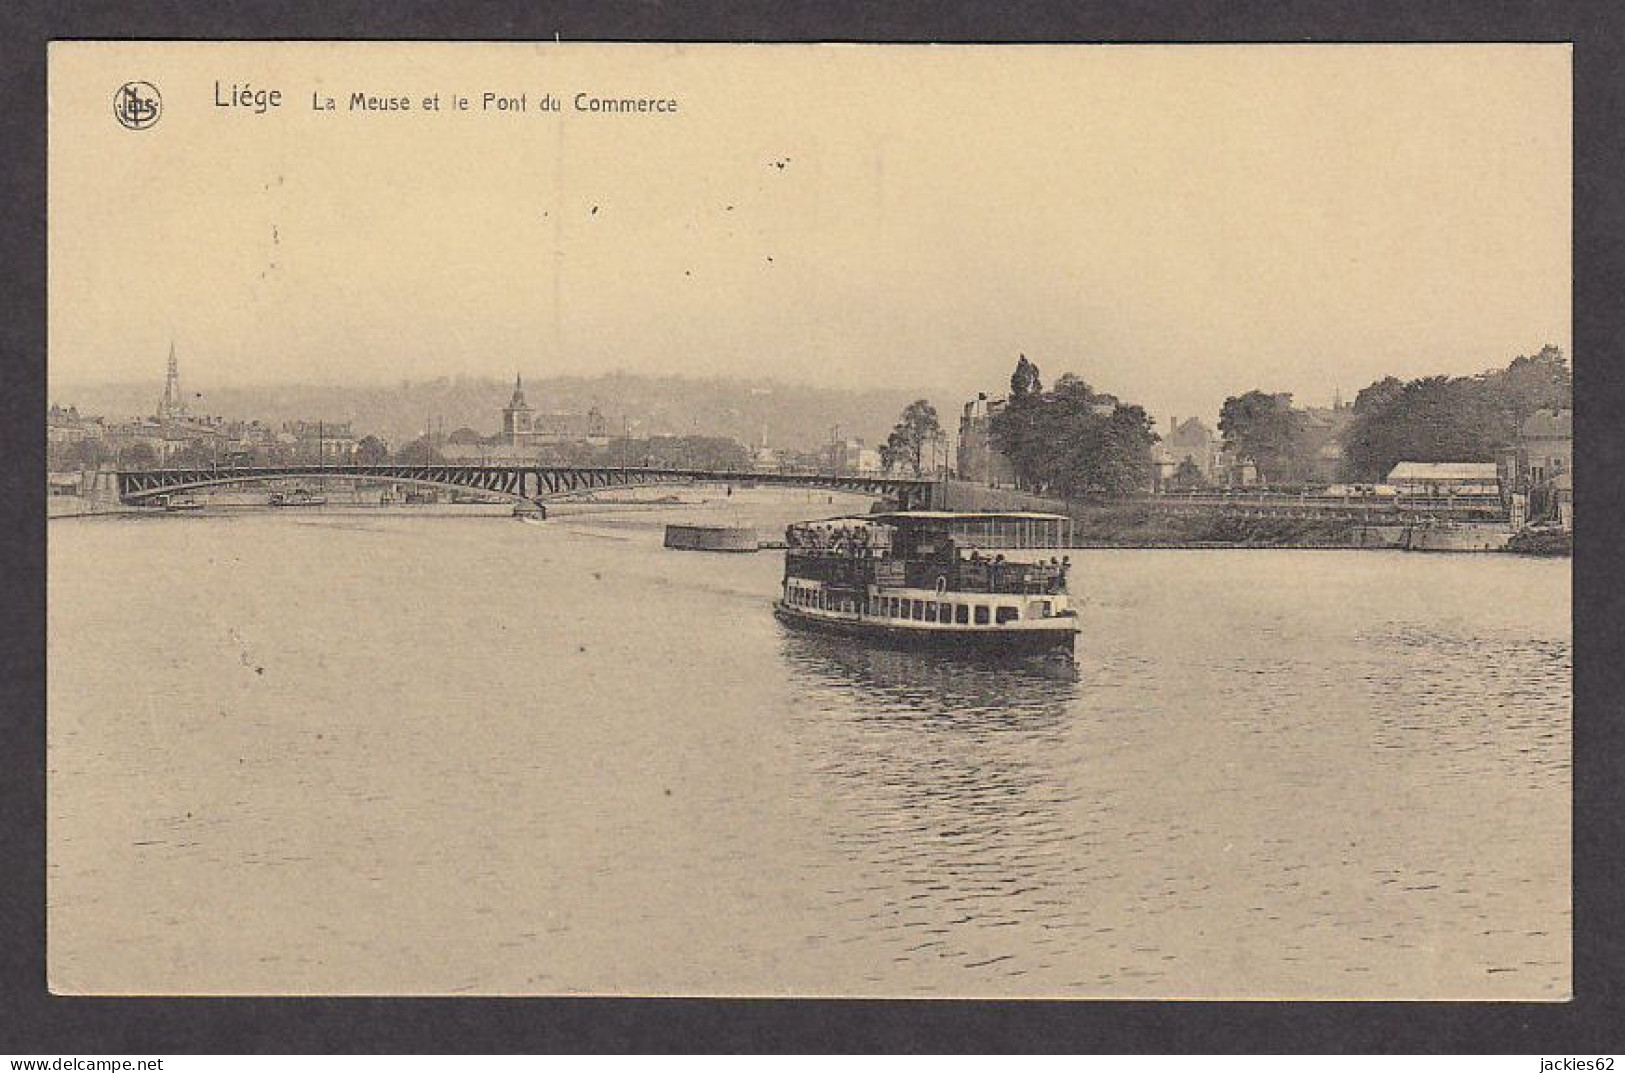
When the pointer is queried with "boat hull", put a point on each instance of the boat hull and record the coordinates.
(991, 640)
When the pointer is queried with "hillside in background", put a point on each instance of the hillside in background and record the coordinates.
(792, 415)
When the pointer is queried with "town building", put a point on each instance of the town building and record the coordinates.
(172, 441)
(1319, 440)
(524, 427)
(1546, 446)
(1187, 441)
(1561, 502)
(319, 441)
(173, 434)
(1235, 470)
(854, 455)
(65, 426)
(978, 460)
(1544, 459)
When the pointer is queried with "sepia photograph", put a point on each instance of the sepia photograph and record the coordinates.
(810, 520)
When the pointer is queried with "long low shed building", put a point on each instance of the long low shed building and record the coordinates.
(1443, 479)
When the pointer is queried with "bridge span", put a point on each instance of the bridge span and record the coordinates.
(529, 483)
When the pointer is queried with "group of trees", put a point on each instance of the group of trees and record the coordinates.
(674, 452)
(1072, 441)
(1429, 419)
(80, 454)
(1444, 419)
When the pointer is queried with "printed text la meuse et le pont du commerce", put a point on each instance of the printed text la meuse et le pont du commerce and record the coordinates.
(260, 100)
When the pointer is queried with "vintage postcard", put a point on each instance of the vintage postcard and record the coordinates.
(810, 520)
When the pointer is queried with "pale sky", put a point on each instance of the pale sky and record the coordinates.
(1175, 224)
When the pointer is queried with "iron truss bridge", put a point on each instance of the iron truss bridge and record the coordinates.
(517, 482)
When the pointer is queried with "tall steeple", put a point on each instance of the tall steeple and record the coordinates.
(516, 416)
(174, 405)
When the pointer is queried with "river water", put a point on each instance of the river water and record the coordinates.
(396, 752)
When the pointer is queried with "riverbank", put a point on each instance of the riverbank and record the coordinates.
(78, 507)
(1148, 526)
(1136, 525)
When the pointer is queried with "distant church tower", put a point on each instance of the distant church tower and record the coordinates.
(173, 408)
(517, 416)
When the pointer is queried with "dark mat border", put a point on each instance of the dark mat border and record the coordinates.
(32, 1022)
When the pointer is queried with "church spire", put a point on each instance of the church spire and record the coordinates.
(174, 405)
(516, 416)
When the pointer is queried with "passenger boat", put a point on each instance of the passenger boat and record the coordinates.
(918, 579)
(182, 502)
(299, 497)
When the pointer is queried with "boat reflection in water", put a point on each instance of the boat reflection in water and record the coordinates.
(932, 684)
(951, 790)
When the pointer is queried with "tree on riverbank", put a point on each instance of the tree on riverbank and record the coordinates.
(420, 452)
(916, 427)
(371, 451)
(80, 454)
(1262, 427)
(137, 456)
(673, 452)
(1072, 441)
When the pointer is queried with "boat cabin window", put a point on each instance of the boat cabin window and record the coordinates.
(1006, 614)
(945, 613)
(962, 614)
(916, 610)
(931, 611)
(981, 614)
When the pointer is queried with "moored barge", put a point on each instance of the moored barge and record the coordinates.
(904, 578)
(734, 538)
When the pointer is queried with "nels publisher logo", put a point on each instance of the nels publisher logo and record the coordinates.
(137, 105)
